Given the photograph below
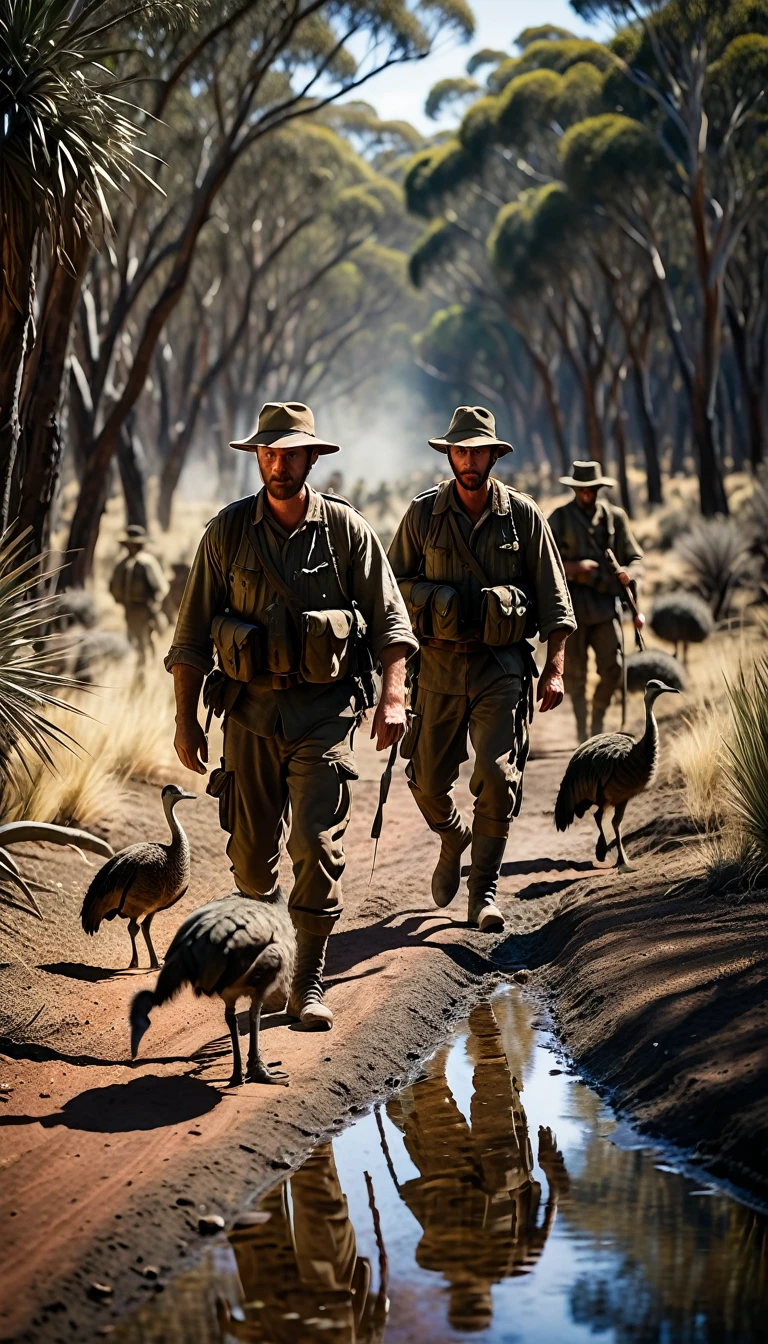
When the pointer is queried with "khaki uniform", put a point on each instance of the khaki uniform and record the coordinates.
(288, 758)
(475, 1196)
(594, 601)
(476, 691)
(139, 585)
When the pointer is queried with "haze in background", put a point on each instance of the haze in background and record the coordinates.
(399, 93)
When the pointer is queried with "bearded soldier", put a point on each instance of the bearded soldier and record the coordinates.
(585, 529)
(480, 573)
(139, 585)
(294, 591)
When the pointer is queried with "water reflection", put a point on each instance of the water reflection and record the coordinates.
(434, 1220)
(475, 1196)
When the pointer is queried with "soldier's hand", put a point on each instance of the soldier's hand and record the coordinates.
(580, 569)
(550, 690)
(389, 722)
(191, 745)
(639, 621)
(624, 577)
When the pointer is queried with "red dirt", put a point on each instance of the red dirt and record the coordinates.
(97, 1153)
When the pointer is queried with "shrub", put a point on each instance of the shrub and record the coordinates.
(746, 761)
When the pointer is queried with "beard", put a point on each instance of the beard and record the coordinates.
(471, 479)
(282, 486)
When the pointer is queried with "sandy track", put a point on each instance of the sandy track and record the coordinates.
(97, 1153)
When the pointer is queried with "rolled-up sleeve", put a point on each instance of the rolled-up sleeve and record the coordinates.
(545, 568)
(205, 596)
(376, 591)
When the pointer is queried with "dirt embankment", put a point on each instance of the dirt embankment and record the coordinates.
(107, 1166)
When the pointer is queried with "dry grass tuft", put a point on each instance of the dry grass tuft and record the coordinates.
(128, 736)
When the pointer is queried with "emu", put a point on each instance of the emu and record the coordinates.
(654, 665)
(609, 770)
(681, 618)
(236, 947)
(141, 880)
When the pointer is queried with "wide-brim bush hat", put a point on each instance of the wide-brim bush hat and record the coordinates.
(472, 427)
(285, 424)
(587, 476)
(134, 535)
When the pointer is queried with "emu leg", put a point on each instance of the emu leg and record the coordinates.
(133, 929)
(154, 964)
(257, 1071)
(622, 861)
(601, 848)
(237, 1064)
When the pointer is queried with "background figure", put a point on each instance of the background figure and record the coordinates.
(139, 585)
(584, 529)
(172, 599)
(475, 1197)
(304, 1260)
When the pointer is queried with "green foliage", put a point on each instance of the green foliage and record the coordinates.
(746, 766)
(742, 70)
(433, 173)
(434, 247)
(546, 32)
(486, 56)
(560, 55)
(447, 92)
(531, 242)
(478, 129)
(581, 94)
(504, 72)
(450, 334)
(526, 104)
(455, 14)
(607, 153)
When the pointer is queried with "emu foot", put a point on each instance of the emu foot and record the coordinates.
(258, 1072)
(237, 1079)
(601, 848)
(623, 866)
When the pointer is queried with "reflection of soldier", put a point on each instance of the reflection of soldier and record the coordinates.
(583, 530)
(300, 1270)
(139, 586)
(474, 1196)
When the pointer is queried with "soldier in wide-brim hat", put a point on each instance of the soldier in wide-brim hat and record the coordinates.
(139, 586)
(481, 574)
(293, 592)
(585, 529)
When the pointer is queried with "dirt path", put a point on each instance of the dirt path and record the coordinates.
(106, 1166)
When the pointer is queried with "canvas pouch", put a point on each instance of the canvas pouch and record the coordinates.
(239, 646)
(505, 614)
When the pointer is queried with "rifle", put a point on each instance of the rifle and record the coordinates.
(627, 594)
(639, 644)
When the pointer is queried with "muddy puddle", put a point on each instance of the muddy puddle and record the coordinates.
(496, 1198)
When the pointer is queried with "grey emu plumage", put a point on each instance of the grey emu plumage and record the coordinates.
(681, 618)
(236, 947)
(609, 770)
(141, 880)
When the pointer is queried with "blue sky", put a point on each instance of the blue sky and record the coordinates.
(399, 93)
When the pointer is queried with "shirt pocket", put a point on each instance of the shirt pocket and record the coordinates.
(246, 591)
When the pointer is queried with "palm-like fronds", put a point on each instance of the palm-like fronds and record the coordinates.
(64, 131)
(27, 687)
(716, 552)
(747, 755)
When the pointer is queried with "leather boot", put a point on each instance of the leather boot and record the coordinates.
(306, 997)
(580, 712)
(487, 854)
(447, 874)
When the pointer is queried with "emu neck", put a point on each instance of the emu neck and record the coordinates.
(650, 740)
(174, 825)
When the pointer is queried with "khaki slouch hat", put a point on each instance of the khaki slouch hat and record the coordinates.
(587, 476)
(285, 424)
(472, 427)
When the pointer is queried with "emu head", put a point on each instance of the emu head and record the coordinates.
(655, 688)
(142, 1005)
(173, 794)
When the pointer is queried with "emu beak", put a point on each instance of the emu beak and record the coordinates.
(139, 1027)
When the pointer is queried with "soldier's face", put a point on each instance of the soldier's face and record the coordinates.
(586, 499)
(284, 470)
(471, 466)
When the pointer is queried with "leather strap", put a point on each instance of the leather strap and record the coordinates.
(469, 559)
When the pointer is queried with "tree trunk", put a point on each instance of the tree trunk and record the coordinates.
(38, 460)
(17, 287)
(553, 406)
(649, 434)
(132, 461)
(620, 439)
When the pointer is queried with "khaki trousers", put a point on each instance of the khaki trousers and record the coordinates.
(604, 637)
(140, 627)
(436, 746)
(273, 788)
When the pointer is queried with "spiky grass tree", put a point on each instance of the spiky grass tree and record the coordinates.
(28, 691)
(746, 765)
(64, 138)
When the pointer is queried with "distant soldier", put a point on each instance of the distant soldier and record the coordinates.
(480, 575)
(584, 530)
(139, 586)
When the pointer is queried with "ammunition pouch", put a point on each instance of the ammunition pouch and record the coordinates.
(326, 644)
(239, 645)
(434, 609)
(505, 613)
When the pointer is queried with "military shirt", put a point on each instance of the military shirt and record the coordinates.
(581, 537)
(512, 544)
(332, 557)
(138, 580)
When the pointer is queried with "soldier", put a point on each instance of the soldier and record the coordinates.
(480, 573)
(584, 529)
(139, 585)
(295, 592)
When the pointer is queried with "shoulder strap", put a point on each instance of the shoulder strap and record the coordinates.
(469, 559)
(276, 579)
